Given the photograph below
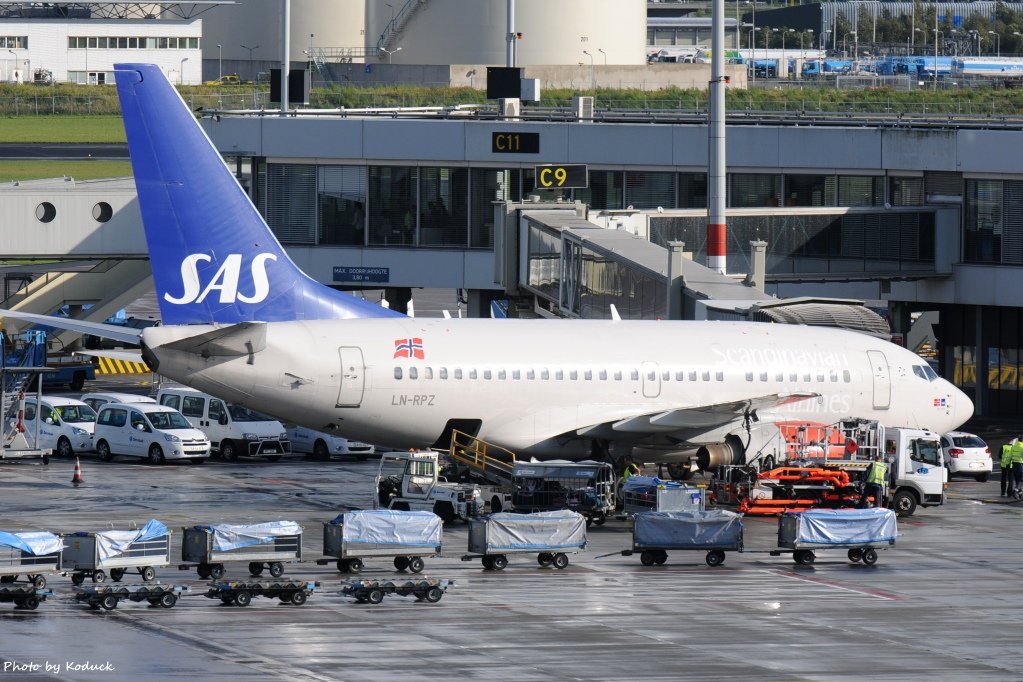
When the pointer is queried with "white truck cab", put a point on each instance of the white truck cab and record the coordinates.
(156, 432)
(322, 446)
(410, 481)
(66, 425)
(232, 429)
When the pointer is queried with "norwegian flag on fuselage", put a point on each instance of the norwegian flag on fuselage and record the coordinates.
(409, 348)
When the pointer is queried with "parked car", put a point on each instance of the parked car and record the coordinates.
(156, 432)
(66, 427)
(966, 454)
(98, 400)
(232, 429)
(322, 446)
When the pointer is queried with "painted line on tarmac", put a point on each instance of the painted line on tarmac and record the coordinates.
(869, 591)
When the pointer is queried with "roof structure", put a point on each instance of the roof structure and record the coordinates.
(107, 9)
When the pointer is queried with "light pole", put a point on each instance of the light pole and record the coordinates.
(15, 60)
(181, 71)
(220, 64)
(998, 43)
(389, 52)
(593, 76)
(753, 38)
(920, 30)
(601, 51)
(824, 38)
(251, 49)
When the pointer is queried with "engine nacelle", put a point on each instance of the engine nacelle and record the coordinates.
(711, 456)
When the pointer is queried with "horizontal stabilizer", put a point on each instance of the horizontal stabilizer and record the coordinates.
(243, 338)
(107, 331)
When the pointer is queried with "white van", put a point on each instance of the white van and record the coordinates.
(66, 427)
(233, 430)
(156, 432)
(98, 400)
(321, 446)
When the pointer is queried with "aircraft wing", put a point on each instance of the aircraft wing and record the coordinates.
(687, 418)
(107, 331)
(127, 355)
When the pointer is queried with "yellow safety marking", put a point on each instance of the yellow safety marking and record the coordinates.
(114, 366)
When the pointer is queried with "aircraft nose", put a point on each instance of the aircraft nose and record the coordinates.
(962, 407)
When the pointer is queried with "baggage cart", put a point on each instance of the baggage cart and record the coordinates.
(424, 589)
(859, 531)
(263, 545)
(648, 493)
(107, 597)
(240, 593)
(715, 532)
(116, 551)
(407, 536)
(584, 487)
(550, 535)
(24, 596)
(32, 554)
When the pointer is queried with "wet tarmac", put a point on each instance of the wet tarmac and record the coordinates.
(938, 605)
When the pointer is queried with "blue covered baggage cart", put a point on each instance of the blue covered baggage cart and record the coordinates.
(116, 551)
(264, 545)
(714, 532)
(861, 531)
(550, 535)
(32, 554)
(407, 536)
(649, 493)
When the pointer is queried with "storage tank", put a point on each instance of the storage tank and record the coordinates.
(474, 31)
(316, 23)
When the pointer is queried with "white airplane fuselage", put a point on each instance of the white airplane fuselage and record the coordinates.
(532, 384)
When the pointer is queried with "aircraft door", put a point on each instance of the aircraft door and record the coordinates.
(352, 377)
(882, 379)
(651, 380)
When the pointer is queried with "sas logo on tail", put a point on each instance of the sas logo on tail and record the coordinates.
(225, 281)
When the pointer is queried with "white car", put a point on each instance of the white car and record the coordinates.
(66, 427)
(322, 446)
(156, 432)
(966, 454)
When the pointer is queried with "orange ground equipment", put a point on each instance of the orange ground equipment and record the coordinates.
(791, 488)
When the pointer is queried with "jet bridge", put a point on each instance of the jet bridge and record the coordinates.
(567, 266)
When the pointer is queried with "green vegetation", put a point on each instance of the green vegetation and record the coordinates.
(11, 170)
(53, 129)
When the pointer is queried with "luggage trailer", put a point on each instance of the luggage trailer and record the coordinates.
(198, 550)
(549, 535)
(83, 557)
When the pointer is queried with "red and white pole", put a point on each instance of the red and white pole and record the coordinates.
(716, 235)
(21, 412)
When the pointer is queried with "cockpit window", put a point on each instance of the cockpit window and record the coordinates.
(925, 372)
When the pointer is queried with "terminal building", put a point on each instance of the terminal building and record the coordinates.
(922, 217)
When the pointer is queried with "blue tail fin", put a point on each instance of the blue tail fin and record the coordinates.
(214, 258)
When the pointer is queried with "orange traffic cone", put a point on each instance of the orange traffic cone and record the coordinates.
(77, 478)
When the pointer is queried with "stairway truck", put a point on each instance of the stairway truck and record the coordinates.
(410, 481)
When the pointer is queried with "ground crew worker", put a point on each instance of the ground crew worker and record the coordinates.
(1006, 464)
(1016, 457)
(873, 483)
(631, 469)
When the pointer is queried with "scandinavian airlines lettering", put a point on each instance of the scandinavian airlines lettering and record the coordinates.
(225, 280)
(781, 356)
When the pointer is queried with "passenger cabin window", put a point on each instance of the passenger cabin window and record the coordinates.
(793, 377)
(544, 374)
(834, 376)
(618, 376)
(516, 374)
(692, 376)
(531, 374)
(397, 375)
(763, 376)
(487, 374)
(573, 375)
(706, 376)
(458, 373)
(665, 375)
(559, 375)
(634, 374)
(603, 375)
(472, 374)
(588, 375)
(501, 374)
(846, 376)
(413, 373)
(719, 376)
(680, 375)
(443, 372)
(192, 406)
(428, 372)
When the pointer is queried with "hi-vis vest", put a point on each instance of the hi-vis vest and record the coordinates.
(877, 473)
(1006, 460)
(1016, 453)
